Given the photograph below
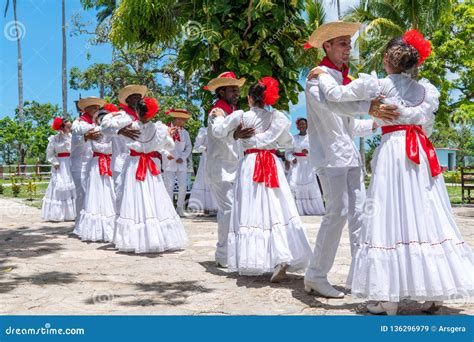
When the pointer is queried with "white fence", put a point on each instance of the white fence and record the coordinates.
(25, 171)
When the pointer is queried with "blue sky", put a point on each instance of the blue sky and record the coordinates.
(41, 43)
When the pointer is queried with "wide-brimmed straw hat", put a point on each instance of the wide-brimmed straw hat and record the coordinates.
(178, 113)
(226, 79)
(130, 90)
(332, 30)
(90, 101)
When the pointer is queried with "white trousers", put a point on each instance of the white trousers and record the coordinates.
(344, 193)
(223, 193)
(169, 179)
(80, 192)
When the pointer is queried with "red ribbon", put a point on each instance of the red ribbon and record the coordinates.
(300, 154)
(145, 162)
(265, 169)
(412, 148)
(86, 118)
(345, 69)
(104, 163)
(64, 155)
(129, 111)
(224, 106)
(176, 136)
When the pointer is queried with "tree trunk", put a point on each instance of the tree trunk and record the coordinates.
(20, 67)
(64, 64)
(338, 3)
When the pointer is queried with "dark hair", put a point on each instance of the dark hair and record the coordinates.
(102, 113)
(65, 120)
(256, 93)
(301, 119)
(401, 56)
(218, 92)
(141, 108)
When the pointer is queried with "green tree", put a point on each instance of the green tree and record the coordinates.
(251, 38)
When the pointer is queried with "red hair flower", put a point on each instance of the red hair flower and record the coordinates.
(416, 39)
(57, 123)
(152, 106)
(270, 95)
(307, 46)
(110, 107)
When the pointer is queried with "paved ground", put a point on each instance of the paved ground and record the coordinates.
(44, 269)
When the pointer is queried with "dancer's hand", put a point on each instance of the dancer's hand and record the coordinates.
(305, 151)
(179, 160)
(92, 135)
(382, 111)
(315, 72)
(294, 161)
(287, 165)
(170, 157)
(243, 133)
(217, 112)
(130, 132)
(56, 166)
(172, 130)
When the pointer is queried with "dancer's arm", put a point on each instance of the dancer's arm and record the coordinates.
(361, 128)
(365, 88)
(221, 126)
(278, 132)
(50, 154)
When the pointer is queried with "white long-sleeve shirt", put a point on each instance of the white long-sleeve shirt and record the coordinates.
(182, 149)
(301, 142)
(81, 151)
(272, 129)
(58, 143)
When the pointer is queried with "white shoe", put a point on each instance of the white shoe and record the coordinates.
(324, 289)
(390, 308)
(221, 264)
(180, 212)
(279, 273)
(431, 306)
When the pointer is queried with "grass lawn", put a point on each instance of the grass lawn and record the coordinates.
(34, 199)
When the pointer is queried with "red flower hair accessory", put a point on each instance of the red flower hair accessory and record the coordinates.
(152, 106)
(416, 39)
(57, 123)
(270, 95)
(110, 107)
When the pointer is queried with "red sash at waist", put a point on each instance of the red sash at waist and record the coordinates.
(265, 169)
(104, 163)
(145, 162)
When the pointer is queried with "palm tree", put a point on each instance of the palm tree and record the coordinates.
(338, 6)
(386, 19)
(19, 61)
(64, 62)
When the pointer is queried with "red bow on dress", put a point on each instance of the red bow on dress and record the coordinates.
(412, 148)
(145, 162)
(265, 170)
(104, 163)
(345, 69)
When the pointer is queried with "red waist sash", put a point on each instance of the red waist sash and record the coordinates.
(104, 163)
(299, 154)
(412, 148)
(265, 170)
(145, 162)
(64, 155)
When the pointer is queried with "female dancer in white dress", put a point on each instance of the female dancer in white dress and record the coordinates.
(410, 246)
(97, 219)
(201, 199)
(59, 202)
(147, 220)
(266, 233)
(301, 176)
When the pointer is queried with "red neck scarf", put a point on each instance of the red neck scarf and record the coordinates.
(224, 106)
(85, 117)
(176, 136)
(129, 111)
(345, 69)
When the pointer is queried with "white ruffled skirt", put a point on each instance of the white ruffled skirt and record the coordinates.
(147, 220)
(305, 188)
(201, 198)
(410, 246)
(59, 201)
(97, 219)
(265, 228)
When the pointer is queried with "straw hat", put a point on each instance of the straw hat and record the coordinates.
(332, 30)
(178, 113)
(90, 101)
(129, 90)
(226, 79)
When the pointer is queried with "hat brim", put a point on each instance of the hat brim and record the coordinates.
(216, 83)
(130, 90)
(88, 101)
(179, 115)
(332, 30)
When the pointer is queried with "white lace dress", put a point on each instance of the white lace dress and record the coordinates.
(59, 202)
(265, 228)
